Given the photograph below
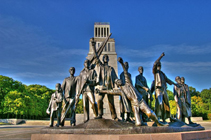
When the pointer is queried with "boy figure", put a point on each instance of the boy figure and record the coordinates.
(55, 105)
(179, 96)
(129, 91)
(187, 100)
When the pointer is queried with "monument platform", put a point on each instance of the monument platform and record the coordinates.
(110, 130)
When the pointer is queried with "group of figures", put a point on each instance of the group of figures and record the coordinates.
(97, 73)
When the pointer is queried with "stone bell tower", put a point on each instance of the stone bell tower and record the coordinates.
(101, 32)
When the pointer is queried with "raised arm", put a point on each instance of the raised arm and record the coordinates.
(127, 78)
(155, 63)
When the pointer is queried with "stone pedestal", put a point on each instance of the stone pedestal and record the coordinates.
(109, 129)
(195, 135)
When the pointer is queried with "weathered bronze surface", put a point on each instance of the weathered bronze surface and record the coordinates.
(85, 86)
(106, 76)
(143, 89)
(69, 89)
(125, 104)
(182, 98)
(187, 100)
(162, 107)
(55, 105)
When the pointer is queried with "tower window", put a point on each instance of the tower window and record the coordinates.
(101, 32)
(107, 31)
(104, 32)
(105, 49)
(98, 32)
(108, 47)
(95, 32)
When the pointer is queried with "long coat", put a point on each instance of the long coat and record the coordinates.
(162, 107)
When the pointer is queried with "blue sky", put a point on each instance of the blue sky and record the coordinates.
(40, 40)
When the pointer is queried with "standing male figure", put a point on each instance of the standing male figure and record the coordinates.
(142, 87)
(55, 105)
(69, 89)
(125, 104)
(85, 86)
(162, 107)
(179, 97)
(106, 79)
(187, 100)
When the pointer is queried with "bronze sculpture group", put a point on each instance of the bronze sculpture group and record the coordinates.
(132, 98)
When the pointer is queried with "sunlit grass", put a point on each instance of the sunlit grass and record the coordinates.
(1, 123)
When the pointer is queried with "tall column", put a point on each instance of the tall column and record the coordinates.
(98, 31)
(103, 32)
(106, 32)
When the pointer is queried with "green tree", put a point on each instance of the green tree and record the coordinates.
(173, 107)
(197, 107)
(170, 95)
(14, 103)
(193, 91)
(206, 95)
(21, 101)
(79, 108)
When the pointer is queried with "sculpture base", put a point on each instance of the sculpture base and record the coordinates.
(106, 126)
(110, 130)
(194, 135)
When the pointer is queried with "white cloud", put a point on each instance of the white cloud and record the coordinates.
(194, 67)
(169, 49)
(42, 75)
(23, 44)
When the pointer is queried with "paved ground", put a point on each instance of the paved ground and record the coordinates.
(18, 132)
(23, 132)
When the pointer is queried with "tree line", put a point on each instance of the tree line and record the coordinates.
(18, 100)
(200, 103)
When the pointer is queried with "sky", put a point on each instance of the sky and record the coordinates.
(41, 40)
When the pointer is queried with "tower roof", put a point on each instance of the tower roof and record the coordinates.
(102, 23)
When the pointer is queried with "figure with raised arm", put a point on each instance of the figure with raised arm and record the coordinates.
(55, 105)
(130, 92)
(105, 81)
(162, 107)
(125, 104)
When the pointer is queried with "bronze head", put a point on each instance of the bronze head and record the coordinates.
(105, 58)
(72, 70)
(178, 79)
(141, 69)
(118, 82)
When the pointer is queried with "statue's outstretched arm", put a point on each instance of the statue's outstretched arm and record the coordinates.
(155, 63)
(127, 78)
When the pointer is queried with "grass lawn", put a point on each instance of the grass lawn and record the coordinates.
(1, 123)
